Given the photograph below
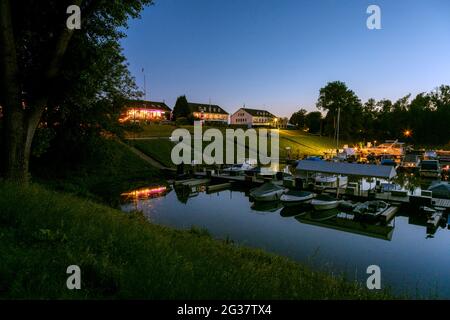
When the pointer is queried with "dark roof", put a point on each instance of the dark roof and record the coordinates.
(147, 105)
(441, 190)
(209, 108)
(258, 113)
(347, 169)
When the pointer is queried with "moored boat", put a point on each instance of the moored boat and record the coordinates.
(324, 202)
(267, 192)
(370, 210)
(322, 182)
(295, 197)
(247, 165)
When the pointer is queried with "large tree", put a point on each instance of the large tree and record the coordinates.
(298, 118)
(41, 65)
(313, 122)
(181, 108)
(336, 96)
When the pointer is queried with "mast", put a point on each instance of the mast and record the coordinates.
(337, 131)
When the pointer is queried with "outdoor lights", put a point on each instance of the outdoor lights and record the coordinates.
(407, 133)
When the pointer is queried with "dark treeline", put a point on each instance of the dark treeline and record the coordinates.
(422, 120)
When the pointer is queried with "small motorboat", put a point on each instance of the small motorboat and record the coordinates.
(370, 209)
(324, 202)
(295, 197)
(322, 181)
(267, 192)
(247, 165)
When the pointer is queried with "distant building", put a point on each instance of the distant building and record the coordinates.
(253, 117)
(208, 113)
(145, 111)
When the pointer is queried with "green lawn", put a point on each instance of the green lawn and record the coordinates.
(123, 256)
(304, 144)
(300, 143)
(158, 149)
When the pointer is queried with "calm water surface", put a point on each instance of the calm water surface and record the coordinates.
(411, 258)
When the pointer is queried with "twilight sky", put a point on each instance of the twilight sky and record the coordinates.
(277, 54)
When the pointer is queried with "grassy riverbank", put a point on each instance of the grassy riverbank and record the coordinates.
(108, 169)
(123, 256)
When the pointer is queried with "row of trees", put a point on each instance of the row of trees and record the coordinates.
(423, 119)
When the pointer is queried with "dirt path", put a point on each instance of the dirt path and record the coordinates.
(153, 162)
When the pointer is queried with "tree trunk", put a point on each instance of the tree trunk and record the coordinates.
(14, 161)
(20, 123)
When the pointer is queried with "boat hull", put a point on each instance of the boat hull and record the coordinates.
(324, 205)
(269, 196)
(289, 200)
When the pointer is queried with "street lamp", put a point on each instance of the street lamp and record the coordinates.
(407, 133)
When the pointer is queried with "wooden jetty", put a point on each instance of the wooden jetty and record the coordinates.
(191, 182)
(218, 187)
(389, 214)
(434, 220)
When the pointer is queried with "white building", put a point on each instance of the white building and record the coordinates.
(253, 117)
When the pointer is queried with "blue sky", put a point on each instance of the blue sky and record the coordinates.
(277, 54)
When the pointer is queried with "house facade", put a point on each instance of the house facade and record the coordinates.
(253, 117)
(208, 113)
(145, 111)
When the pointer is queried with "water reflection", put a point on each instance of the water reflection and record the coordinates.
(410, 252)
(144, 193)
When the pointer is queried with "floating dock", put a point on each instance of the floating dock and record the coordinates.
(218, 187)
(389, 214)
(396, 196)
(191, 182)
(434, 220)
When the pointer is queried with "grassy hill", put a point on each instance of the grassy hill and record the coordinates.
(153, 141)
(122, 255)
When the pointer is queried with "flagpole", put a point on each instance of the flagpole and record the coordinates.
(145, 85)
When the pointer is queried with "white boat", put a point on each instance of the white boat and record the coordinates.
(324, 202)
(267, 192)
(371, 209)
(322, 181)
(240, 168)
(294, 197)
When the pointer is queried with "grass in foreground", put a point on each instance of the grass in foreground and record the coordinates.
(123, 256)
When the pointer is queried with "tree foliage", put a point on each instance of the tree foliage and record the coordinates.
(336, 96)
(51, 76)
(426, 117)
(181, 109)
(299, 118)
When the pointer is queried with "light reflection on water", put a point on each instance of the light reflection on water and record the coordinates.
(410, 256)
